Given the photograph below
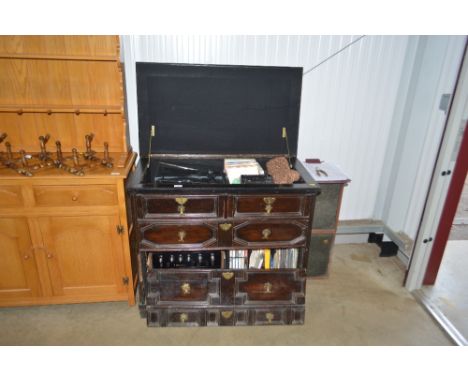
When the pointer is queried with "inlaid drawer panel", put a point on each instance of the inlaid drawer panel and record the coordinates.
(262, 234)
(178, 236)
(178, 206)
(196, 287)
(10, 197)
(270, 205)
(72, 196)
(277, 287)
(176, 317)
(269, 316)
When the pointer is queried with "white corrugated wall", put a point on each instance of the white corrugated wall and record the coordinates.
(348, 103)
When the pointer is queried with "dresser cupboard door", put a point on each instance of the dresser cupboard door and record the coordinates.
(84, 255)
(18, 272)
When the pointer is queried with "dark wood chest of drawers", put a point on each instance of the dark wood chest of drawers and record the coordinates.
(207, 221)
(210, 249)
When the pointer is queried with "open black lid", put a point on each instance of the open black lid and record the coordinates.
(218, 109)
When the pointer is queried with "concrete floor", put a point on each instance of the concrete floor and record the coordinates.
(361, 302)
(449, 294)
(450, 291)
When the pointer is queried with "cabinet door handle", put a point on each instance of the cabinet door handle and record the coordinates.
(267, 287)
(226, 313)
(225, 226)
(28, 254)
(266, 233)
(182, 234)
(269, 204)
(181, 205)
(228, 275)
(269, 316)
(185, 288)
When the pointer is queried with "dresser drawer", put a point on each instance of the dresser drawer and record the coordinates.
(270, 205)
(226, 316)
(262, 234)
(10, 197)
(269, 316)
(173, 235)
(73, 196)
(275, 287)
(178, 206)
(176, 317)
(167, 287)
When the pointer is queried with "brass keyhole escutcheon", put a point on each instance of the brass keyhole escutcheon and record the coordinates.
(181, 206)
(269, 316)
(267, 287)
(225, 226)
(228, 275)
(185, 288)
(226, 314)
(182, 234)
(266, 233)
(269, 204)
(183, 317)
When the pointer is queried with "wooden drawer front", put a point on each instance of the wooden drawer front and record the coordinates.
(319, 254)
(270, 316)
(178, 236)
(278, 287)
(10, 197)
(225, 316)
(176, 317)
(270, 205)
(326, 206)
(169, 287)
(75, 196)
(178, 206)
(262, 234)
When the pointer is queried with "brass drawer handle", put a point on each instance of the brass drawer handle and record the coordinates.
(266, 233)
(183, 317)
(226, 314)
(225, 226)
(181, 206)
(269, 316)
(185, 288)
(325, 241)
(269, 204)
(182, 234)
(267, 287)
(228, 275)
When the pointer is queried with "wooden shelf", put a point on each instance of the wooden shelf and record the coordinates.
(57, 57)
(53, 109)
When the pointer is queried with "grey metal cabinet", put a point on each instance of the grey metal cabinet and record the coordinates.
(325, 221)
